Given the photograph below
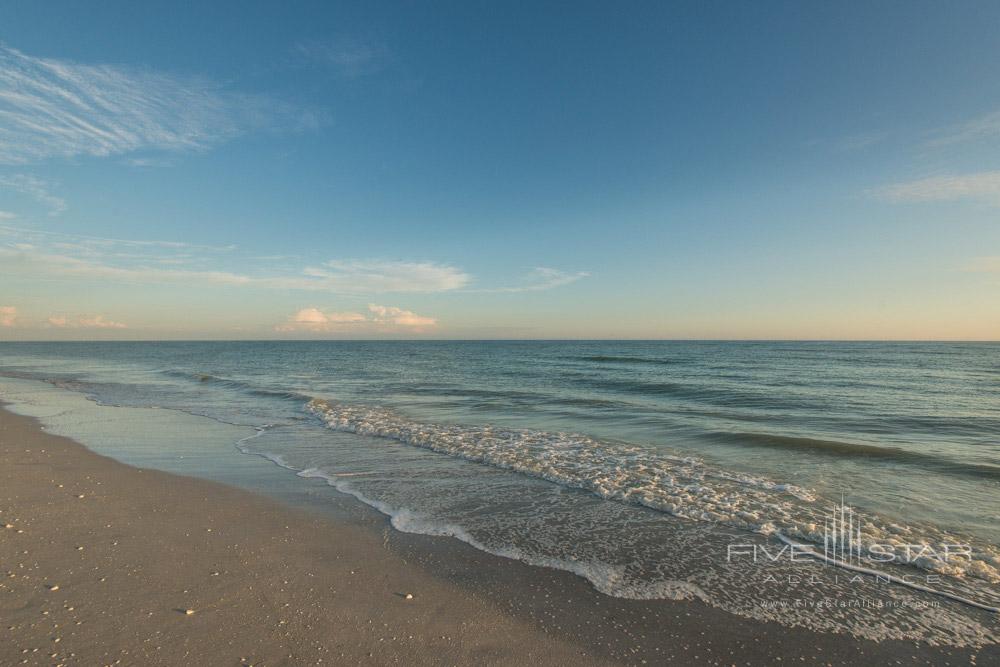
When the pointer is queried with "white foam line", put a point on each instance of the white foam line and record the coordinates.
(601, 576)
(258, 431)
(407, 521)
(681, 487)
(808, 551)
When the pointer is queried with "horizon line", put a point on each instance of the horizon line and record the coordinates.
(506, 340)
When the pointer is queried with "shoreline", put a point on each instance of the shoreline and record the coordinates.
(274, 584)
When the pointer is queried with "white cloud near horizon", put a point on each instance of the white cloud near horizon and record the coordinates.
(84, 322)
(379, 319)
(398, 317)
(979, 185)
(315, 316)
(53, 108)
(8, 316)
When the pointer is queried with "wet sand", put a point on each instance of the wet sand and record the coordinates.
(101, 562)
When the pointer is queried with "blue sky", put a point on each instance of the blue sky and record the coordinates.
(491, 170)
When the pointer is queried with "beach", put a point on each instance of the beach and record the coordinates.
(422, 334)
(103, 563)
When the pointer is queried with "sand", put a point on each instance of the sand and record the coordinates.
(108, 564)
(102, 563)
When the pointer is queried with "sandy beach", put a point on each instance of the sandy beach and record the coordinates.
(103, 563)
(107, 564)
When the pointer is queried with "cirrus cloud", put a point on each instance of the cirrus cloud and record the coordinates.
(34, 188)
(387, 276)
(349, 57)
(539, 279)
(982, 128)
(340, 277)
(39, 254)
(980, 185)
(53, 108)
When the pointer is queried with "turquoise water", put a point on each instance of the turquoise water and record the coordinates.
(612, 459)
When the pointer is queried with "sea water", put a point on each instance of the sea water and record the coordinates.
(638, 465)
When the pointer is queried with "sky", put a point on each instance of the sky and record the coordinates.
(698, 170)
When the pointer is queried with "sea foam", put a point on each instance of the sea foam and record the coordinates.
(682, 486)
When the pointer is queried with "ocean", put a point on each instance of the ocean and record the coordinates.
(637, 465)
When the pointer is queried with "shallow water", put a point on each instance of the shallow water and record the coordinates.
(634, 464)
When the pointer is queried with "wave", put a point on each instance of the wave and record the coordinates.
(684, 487)
(618, 359)
(247, 387)
(855, 450)
(718, 396)
(520, 397)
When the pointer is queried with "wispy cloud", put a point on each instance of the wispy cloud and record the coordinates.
(26, 260)
(387, 276)
(981, 128)
(378, 319)
(33, 187)
(58, 108)
(953, 186)
(860, 142)
(66, 256)
(147, 162)
(54, 255)
(349, 57)
(981, 185)
(7, 215)
(84, 322)
(541, 278)
(8, 316)
(96, 244)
